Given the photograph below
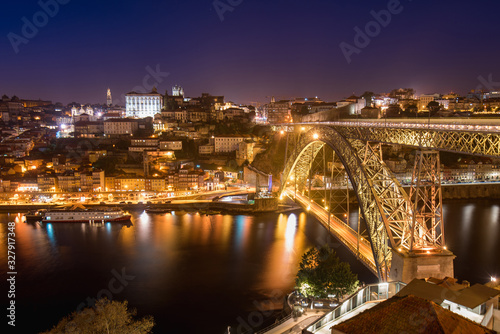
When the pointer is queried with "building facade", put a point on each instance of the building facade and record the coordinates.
(278, 112)
(226, 144)
(174, 145)
(117, 126)
(142, 105)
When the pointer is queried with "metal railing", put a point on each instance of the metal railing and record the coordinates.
(368, 262)
(370, 293)
(418, 124)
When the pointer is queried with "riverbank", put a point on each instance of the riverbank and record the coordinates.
(458, 191)
(264, 205)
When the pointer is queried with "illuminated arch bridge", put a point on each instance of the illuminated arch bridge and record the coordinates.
(395, 221)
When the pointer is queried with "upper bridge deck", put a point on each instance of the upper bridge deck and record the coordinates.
(483, 125)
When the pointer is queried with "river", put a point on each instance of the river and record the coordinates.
(196, 273)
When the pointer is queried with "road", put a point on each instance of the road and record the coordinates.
(490, 125)
(118, 197)
(344, 233)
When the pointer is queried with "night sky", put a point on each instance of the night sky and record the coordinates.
(260, 48)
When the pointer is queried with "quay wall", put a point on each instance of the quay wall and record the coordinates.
(461, 191)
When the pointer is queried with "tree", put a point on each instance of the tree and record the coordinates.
(307, 278)
(106, 317)
(368, 96)
(108, 164)
(321, 273)
(433, 107)
(341, 281)
(394, 110)
(411, 110)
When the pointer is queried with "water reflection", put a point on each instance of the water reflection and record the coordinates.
(495, 215)
(472, 235)
(242, 233)
(50, 234)
(143, 223)
(467, 218)
(291, 228)
(491, 237)
(188, 259)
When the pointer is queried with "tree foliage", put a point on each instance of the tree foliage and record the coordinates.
(106, 317)
(321, 273)
(368, 96)
(433, 107)
(108, 164)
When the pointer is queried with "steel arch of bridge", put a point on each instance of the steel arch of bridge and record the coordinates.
(384, 205)
(468, 142)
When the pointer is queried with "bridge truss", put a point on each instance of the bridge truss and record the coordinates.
(442, 139)
(392, 222)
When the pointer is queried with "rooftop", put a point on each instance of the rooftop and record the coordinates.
(409, 314)
(153, 92)
(470, 297)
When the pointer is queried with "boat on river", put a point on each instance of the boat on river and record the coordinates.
(81, 214)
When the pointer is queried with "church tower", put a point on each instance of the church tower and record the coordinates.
(109, 100)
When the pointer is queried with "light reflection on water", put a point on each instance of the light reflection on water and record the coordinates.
(217, 263)
(50, 234)
(471, 233)
(291, 228)
(177, 259)
(492, 235)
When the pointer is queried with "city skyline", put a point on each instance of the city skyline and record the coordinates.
(246, 51)
(258, 166)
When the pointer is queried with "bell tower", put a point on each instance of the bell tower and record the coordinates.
(109, 99)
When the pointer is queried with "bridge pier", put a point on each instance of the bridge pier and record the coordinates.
(405, 266)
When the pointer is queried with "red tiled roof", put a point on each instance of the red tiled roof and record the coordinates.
(470, 297)
(410, 314)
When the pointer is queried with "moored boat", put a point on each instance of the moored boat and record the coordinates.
(80, 214)
(35, 215)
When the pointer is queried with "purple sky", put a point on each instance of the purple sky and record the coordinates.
(260, 48)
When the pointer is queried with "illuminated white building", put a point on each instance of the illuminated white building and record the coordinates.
(177, 91)
(80, 111)
(141, 105)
